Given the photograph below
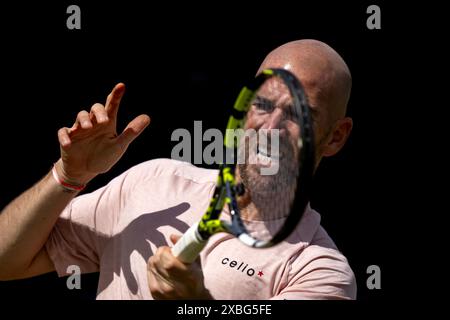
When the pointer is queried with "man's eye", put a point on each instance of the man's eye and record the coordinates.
(263, 104)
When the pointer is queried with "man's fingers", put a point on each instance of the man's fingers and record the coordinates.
(170, 278)
(113, 100)
(174, 238)
(64, 138)
(162, 282)
(83, 120)
(99, 113)
(169, 266)
(159, 287)
(153, 285)
(133, 130)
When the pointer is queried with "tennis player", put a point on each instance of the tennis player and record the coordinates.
(123, 230)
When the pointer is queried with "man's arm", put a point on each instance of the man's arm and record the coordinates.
(90, 147)
(24, 228)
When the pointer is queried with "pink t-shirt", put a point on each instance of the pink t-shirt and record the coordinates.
(116, 229)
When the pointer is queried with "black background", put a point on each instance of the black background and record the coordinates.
(186, 62)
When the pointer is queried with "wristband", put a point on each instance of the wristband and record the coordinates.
(64, 184)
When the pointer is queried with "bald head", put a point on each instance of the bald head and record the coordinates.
(322, 71)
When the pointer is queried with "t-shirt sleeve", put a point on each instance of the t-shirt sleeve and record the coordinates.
(84, 227)
(321, 274)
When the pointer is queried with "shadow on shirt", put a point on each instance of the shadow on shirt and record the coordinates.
(134, 237)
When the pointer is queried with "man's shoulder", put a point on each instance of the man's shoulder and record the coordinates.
(163, 167)
(320, 254)
(320, 244)
(321, 273)
(317, 252)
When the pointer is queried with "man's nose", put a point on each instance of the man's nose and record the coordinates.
(274, 120)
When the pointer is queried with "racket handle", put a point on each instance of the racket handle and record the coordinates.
(189, 246)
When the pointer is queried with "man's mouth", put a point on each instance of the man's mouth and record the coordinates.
(265, 157)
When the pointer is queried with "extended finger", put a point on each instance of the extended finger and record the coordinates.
(133, 130)
(113, 100)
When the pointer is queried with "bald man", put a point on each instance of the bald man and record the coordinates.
(123, 229)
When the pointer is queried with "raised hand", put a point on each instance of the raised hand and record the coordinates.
(92, 146)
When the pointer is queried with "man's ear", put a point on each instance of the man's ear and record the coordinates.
(338, 137)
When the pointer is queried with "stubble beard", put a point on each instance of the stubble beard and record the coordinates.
(271, 195)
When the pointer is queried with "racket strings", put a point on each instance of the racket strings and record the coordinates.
(271, 167)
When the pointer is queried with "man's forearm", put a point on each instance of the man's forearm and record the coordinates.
(26, 223)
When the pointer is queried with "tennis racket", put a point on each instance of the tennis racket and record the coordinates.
(278, 199)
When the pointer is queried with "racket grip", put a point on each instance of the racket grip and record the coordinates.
(189, 246)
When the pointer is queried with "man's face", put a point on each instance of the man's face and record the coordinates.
(271, 110)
